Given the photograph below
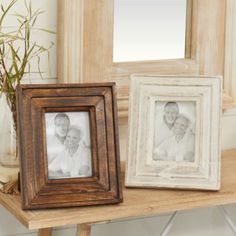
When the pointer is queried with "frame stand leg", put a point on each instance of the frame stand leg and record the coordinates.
(227, 218)
(169, 225)
(83, 230)
(45, 232)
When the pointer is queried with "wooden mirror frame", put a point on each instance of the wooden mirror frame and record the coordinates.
(85, 47)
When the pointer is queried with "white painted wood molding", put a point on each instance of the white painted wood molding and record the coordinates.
(148, 164)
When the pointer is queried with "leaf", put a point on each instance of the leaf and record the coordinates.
(26, 5)
(31, 49)
(26, 60)
(39, 69)
(19, 16)
(35, 16)
(34, 21)
(7, 10)
(46, 30)
(9, 36)
(29, 70)
(39, 12)
(2, 8)
(49, 68)
(3, 50)
(15, 57)
(27, 37)
(19, 21)
(30, 9)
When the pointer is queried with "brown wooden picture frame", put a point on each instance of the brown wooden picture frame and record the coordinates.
(104, 185)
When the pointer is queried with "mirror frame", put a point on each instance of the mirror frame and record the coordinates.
(85, 46)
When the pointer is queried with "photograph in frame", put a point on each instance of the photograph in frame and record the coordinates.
(174, 137)
(68, 145)
(174, 132)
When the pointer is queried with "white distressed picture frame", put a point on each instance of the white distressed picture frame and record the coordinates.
(200, 98)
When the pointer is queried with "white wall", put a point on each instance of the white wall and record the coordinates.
(193, 222)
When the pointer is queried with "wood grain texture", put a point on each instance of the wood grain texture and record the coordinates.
(205, 43)
(83, 230)
(71, 20)
(208, 38)
(104, 186)
(137, 202)
(188, 30)
(45, 232)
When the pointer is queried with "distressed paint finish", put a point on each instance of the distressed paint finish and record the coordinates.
(204, 172)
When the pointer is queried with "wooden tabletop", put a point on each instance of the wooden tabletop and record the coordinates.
(137, 203)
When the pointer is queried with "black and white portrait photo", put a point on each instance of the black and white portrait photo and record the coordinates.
(68, 145)
(174, 135)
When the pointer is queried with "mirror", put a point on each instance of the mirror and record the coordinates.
(149, 30)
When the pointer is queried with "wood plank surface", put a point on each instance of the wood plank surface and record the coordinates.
(137, 203)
